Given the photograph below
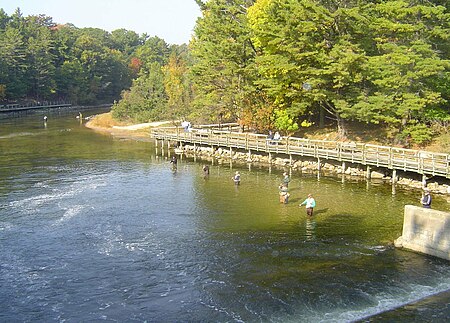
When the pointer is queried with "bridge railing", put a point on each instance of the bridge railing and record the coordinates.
(30, 105)
(418, 161)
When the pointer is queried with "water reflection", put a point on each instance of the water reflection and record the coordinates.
(310, 229)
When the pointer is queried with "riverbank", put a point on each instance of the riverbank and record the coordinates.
(104, 123)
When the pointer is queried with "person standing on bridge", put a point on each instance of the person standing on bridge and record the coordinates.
(277, 136)
(426, 199)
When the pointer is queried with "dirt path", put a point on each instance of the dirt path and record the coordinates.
(106, 124)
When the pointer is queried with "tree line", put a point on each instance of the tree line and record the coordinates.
(291, 63)
(283, 64)
(41, 60)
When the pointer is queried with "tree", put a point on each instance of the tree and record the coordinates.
(177, 87)
(303, 64)
(404, 72)
(374, 62)
(153, 50)
(125, 41)
(146, 100)
(223, 57)
(40, 57)
(12, 64)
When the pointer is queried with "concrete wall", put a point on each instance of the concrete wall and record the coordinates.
(426, 231)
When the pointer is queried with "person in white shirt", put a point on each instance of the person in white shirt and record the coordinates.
(310, 204)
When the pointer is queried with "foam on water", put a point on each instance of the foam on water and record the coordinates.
(70, 213)
(19, 134)
(30, 205)
(384, 302)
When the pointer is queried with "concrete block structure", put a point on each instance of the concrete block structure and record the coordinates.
(426, 231)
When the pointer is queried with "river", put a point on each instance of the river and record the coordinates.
(97, 228)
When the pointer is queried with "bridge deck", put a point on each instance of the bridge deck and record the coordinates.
(17, 107)
(418, 161)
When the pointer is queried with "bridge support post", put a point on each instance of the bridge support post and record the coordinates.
(270, 157)
(394, 176)
(424, 180)
(249, 157)
(318, 163)
(290, 160)
(368, 172)
(343, 168)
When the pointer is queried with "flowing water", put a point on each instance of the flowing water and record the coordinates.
(96, 228)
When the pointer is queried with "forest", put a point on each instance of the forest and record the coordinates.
(267, 64)
(41, 60)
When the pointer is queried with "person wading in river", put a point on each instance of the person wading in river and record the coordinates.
(284, 194)
(310, 204)
(286, 179)
(205, 171)
(426, 199)
(236, 178)
(174, 162)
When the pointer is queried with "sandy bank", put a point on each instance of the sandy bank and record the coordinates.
(106, 124)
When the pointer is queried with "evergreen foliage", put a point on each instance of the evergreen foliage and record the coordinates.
(41, 61)
(267, 64)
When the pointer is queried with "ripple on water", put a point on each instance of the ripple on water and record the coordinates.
(109, 232)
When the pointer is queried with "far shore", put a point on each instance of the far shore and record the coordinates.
(106, 124)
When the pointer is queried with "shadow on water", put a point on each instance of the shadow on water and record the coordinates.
(320, 211)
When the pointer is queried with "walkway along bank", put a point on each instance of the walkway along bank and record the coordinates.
(391, 159)
(25, 107)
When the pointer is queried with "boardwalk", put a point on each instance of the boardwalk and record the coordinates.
(18, 107)
(421, 162)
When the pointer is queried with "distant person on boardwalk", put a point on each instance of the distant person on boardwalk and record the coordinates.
(286, 179)
(237, 178)
(284, 194)
(310, 204)
(277, 136)
(186, 125)
(205, 170)
(426, 199)
(270, 137)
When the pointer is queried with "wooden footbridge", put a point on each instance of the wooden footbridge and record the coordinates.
(393, 158)
(25, 107)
